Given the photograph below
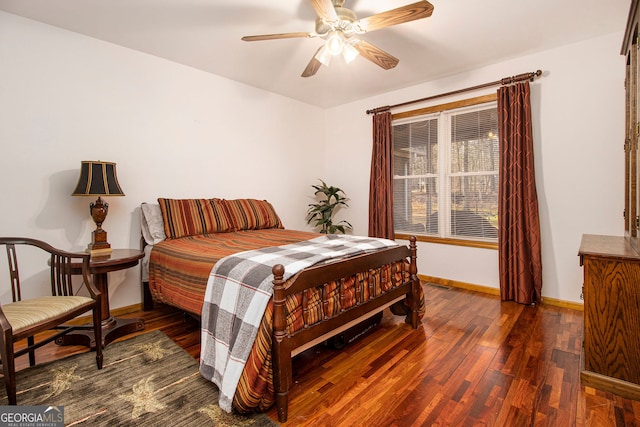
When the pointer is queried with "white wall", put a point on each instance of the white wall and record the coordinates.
(172, 130)
(578, 113)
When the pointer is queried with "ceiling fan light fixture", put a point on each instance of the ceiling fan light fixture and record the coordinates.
(337, 25)
(349, 53)
(335, 42)
(324, 56)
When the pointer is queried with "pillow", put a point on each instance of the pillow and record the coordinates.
(191, 217)
(152, 224)
(218, 220)
(252, 214)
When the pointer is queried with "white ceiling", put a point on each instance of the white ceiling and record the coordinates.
(205, 34)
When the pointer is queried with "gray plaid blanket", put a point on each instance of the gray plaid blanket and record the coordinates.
(238, 290)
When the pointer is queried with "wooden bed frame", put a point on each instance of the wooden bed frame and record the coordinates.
(285, 346)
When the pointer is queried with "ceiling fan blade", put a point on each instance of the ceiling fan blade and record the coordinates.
(400, 15)
(376, 55)
(313, 66)
(276, 36)
(325, 9)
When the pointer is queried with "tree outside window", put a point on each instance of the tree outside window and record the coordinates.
(446, 174)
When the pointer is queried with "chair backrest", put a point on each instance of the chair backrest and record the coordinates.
(61, 266)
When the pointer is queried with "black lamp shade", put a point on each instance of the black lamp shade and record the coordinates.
(98, 179)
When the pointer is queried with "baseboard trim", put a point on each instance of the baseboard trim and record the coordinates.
(126, 310)
(493, 291)
(114, 312)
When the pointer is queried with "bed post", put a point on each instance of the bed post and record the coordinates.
(415, 286)
(280, 352)
(147, 299)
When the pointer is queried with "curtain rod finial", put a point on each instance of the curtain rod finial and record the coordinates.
(535, 74)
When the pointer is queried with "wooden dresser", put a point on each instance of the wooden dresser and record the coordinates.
(611, 353)
(611, 264)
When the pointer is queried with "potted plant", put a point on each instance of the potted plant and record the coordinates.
(322, 211)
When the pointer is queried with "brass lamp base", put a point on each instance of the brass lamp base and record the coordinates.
(99, 252)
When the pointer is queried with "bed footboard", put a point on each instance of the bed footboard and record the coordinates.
(284, 344)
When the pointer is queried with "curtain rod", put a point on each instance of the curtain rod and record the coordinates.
(504, 81)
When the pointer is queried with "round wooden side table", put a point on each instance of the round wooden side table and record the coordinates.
(112, 327)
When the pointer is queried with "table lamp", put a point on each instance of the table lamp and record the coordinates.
(98, 179)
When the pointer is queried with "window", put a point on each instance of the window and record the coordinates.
(446, 172)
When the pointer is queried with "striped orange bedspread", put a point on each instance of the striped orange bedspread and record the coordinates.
(179, 270)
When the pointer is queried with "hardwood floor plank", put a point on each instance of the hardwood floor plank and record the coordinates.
(474, 361)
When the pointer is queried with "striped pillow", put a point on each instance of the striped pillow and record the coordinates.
(252, 214)
(220, 220)
(191, 217)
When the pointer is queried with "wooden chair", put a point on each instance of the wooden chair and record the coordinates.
(25, 317)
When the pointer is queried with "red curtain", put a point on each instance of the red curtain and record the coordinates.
(520, 260)
(381, 181)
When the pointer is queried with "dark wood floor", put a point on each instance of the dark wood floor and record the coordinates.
(474, 361)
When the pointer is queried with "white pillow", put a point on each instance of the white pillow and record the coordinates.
(152, 224)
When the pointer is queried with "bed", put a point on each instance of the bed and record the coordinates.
(188, 242)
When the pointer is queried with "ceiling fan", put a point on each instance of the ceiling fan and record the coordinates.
(340, 28)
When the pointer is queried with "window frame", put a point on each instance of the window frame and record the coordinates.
(444, 175)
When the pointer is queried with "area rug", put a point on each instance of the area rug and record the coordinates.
(147, 380)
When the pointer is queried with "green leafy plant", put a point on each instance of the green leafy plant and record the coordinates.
(322, 212)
